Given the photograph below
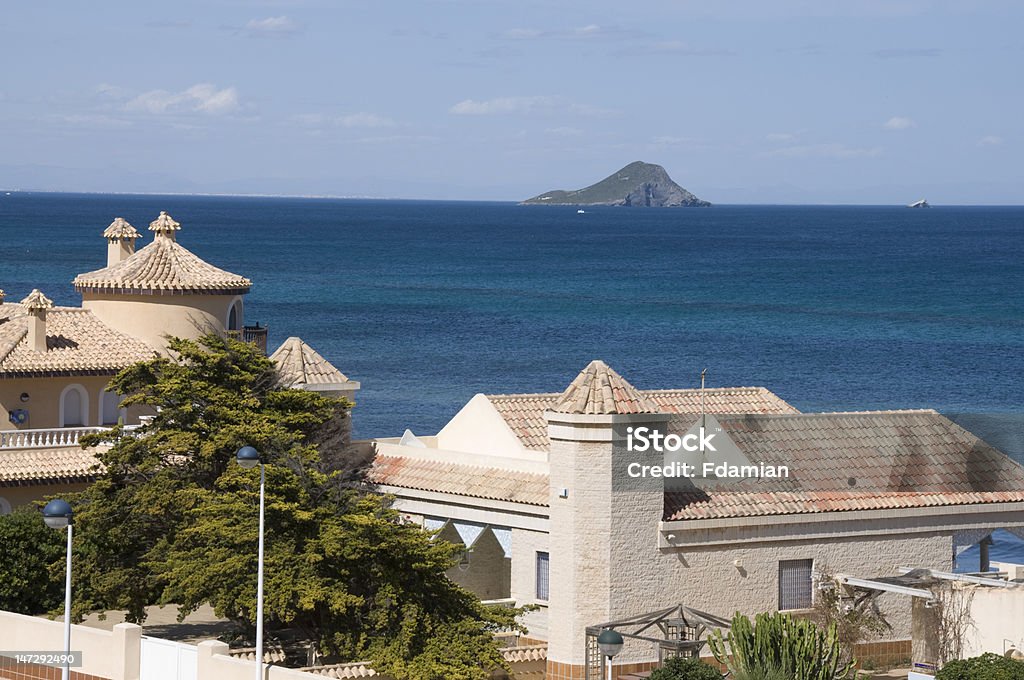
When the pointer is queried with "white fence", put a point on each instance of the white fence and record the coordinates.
(45, 439)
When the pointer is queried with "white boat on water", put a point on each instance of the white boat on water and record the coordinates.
(580, 211)
(919, 204)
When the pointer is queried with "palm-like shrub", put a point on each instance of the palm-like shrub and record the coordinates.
(777, 642)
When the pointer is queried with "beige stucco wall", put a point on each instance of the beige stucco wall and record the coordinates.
(18, 496)
(44, 397)
(479, 428)
(997, 620)
(151, 318)
(486, 574)
(525, 546)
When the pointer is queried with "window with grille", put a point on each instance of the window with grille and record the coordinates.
(795, 584)
(543, 576)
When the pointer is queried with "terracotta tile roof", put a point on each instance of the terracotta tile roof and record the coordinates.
(298, 365)
(72, 463)
(463, 480)
(76, 341)
(121, 229)
(524, 413)
(854, 461)
(163, 266)
(598, 389)
(526, 653)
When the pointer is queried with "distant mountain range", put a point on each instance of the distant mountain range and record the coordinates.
(638, 184)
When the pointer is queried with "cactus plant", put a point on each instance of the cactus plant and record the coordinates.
(796, 647)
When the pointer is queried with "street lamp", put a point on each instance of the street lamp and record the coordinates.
(248, 458)
(58, 515)
(610, 644)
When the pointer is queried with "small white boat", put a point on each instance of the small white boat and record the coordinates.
(581, 211)
(919, 204)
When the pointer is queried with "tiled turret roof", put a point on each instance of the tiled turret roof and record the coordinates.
(121, 229)
(299, 365)
(164, 267)
(36, 301)
(599, 390)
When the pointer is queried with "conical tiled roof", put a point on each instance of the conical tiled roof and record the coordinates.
(120, 228)
(599, 390)
(37, 300)
(299, 365)
(164, 223)
(163, 266)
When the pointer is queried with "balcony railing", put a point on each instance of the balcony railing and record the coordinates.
(45, 439)
(257, 335)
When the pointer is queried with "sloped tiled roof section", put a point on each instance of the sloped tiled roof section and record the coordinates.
(407, 472)
(854, 461)
(71, 463)
(298, 365)
(524, 413)
(163, 267)
(599, 390)
(77, 343)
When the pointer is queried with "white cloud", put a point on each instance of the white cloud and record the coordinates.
(272, 27)
(524, 105)
(990, 140)
(587, 32)
(201, 98)
(830, 150)
(899, 123)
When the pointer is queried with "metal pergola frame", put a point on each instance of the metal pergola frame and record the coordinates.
(681, 629)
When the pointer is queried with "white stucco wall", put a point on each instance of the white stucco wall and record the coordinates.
(997, 620)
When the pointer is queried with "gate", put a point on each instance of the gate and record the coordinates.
(167, 660)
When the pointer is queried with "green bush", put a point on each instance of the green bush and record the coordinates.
(30, 554)
(984, 667)
(685, 669)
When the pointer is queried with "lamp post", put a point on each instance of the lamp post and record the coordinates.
(248, 458)
(58, 515)
(610, 644)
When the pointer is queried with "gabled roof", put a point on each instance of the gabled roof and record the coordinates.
(598, 389)
(299, 365)
(164, 267)
(441, 476)
(524, 413)
(36, 301)
(76, 343)
(853, 461)
(39, 466)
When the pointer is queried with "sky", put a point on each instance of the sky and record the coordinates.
(790, 101)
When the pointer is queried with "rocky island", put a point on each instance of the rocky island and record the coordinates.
(638, 184)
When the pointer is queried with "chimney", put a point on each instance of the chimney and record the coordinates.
(164, 226)
(2, 296)
(36, 303)
(120, 240)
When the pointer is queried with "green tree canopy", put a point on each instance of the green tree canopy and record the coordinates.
(30, 555)
(174, 520)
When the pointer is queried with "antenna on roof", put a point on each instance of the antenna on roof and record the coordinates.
(703, 421)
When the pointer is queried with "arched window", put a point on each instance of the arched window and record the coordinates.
(235, 316)
(74, 406)
(110, 408)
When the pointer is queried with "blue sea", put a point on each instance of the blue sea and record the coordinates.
(428, 303)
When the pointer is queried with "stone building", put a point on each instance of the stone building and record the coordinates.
(56, 362)
(537, 488)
